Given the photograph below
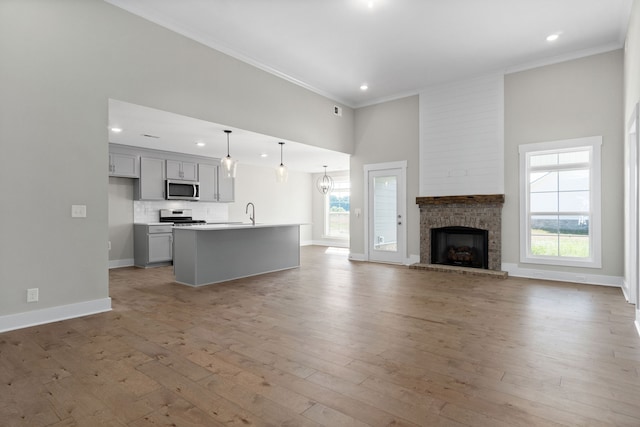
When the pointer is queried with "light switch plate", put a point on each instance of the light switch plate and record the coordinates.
(78, 211)
(32, 295)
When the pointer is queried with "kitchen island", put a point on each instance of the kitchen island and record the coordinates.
(207, 254)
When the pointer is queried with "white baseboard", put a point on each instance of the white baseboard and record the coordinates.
(26, 319)
(408, 261)
(306, 242)
(332, 243)
(356, 257)
(562, 276)
(117, 263)
(625, 290)
(413, 259)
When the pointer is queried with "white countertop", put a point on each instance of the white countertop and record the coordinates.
(237, 226)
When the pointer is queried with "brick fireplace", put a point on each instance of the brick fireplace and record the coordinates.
(481, 212)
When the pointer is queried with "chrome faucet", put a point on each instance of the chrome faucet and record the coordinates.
(252, 215)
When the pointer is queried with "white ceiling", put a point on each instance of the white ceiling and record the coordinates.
(396, 47)
(179, 134)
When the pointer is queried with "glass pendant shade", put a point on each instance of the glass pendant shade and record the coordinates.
(227, 164)
(324, 184)
(282, 175)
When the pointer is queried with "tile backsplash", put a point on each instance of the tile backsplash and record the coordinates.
(149, 211)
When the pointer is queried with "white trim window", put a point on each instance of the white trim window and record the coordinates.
(336, 209)
(560, 202)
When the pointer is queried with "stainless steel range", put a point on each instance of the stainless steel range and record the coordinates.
(179, 217)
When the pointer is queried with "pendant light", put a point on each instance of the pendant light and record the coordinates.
(227, 163)
(325, 183)
(281, 172)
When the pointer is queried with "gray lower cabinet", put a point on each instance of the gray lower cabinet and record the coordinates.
(214, 187)
(152, 179)
(153, 245)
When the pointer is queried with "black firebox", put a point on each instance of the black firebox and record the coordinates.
(460, 246)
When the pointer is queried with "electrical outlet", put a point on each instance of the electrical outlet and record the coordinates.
(78, 211)
(32, 295)
(109, 245)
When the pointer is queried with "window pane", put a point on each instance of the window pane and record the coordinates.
(574, 201)
(544, 245)
(574, 246)
(544, 202)
(337, 210)
(338, 224)
(543, 181)
(574, 180)
(544, 160)
(574, 157)
(573, 224)
(544, 224)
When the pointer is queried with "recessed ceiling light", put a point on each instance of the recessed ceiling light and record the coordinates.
(364, 86)
(200, 144)
(116, 130)
(553, 37)
(264, 155)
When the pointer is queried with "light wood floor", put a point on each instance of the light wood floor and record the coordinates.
(333, 343)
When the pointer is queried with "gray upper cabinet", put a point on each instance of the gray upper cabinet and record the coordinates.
(152, 178)
(208, 175)
(226, 188)
(213, 186)
(154, 167)
(182, 170)
(124, 165)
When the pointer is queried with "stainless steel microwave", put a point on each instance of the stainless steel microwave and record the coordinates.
(182, 190)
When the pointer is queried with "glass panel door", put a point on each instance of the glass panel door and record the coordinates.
(386, 217)
(385, 211)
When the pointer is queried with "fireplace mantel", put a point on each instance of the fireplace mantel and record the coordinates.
(467, 200)
(480, 211)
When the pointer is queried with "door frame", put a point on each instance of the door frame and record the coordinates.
(402, 204)
(632, 210)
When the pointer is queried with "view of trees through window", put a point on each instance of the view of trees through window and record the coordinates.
(559, 203)
(560, 182)
(337, 210)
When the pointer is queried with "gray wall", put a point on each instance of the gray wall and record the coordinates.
(571, 99)
(61, 61)
(386, 132)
